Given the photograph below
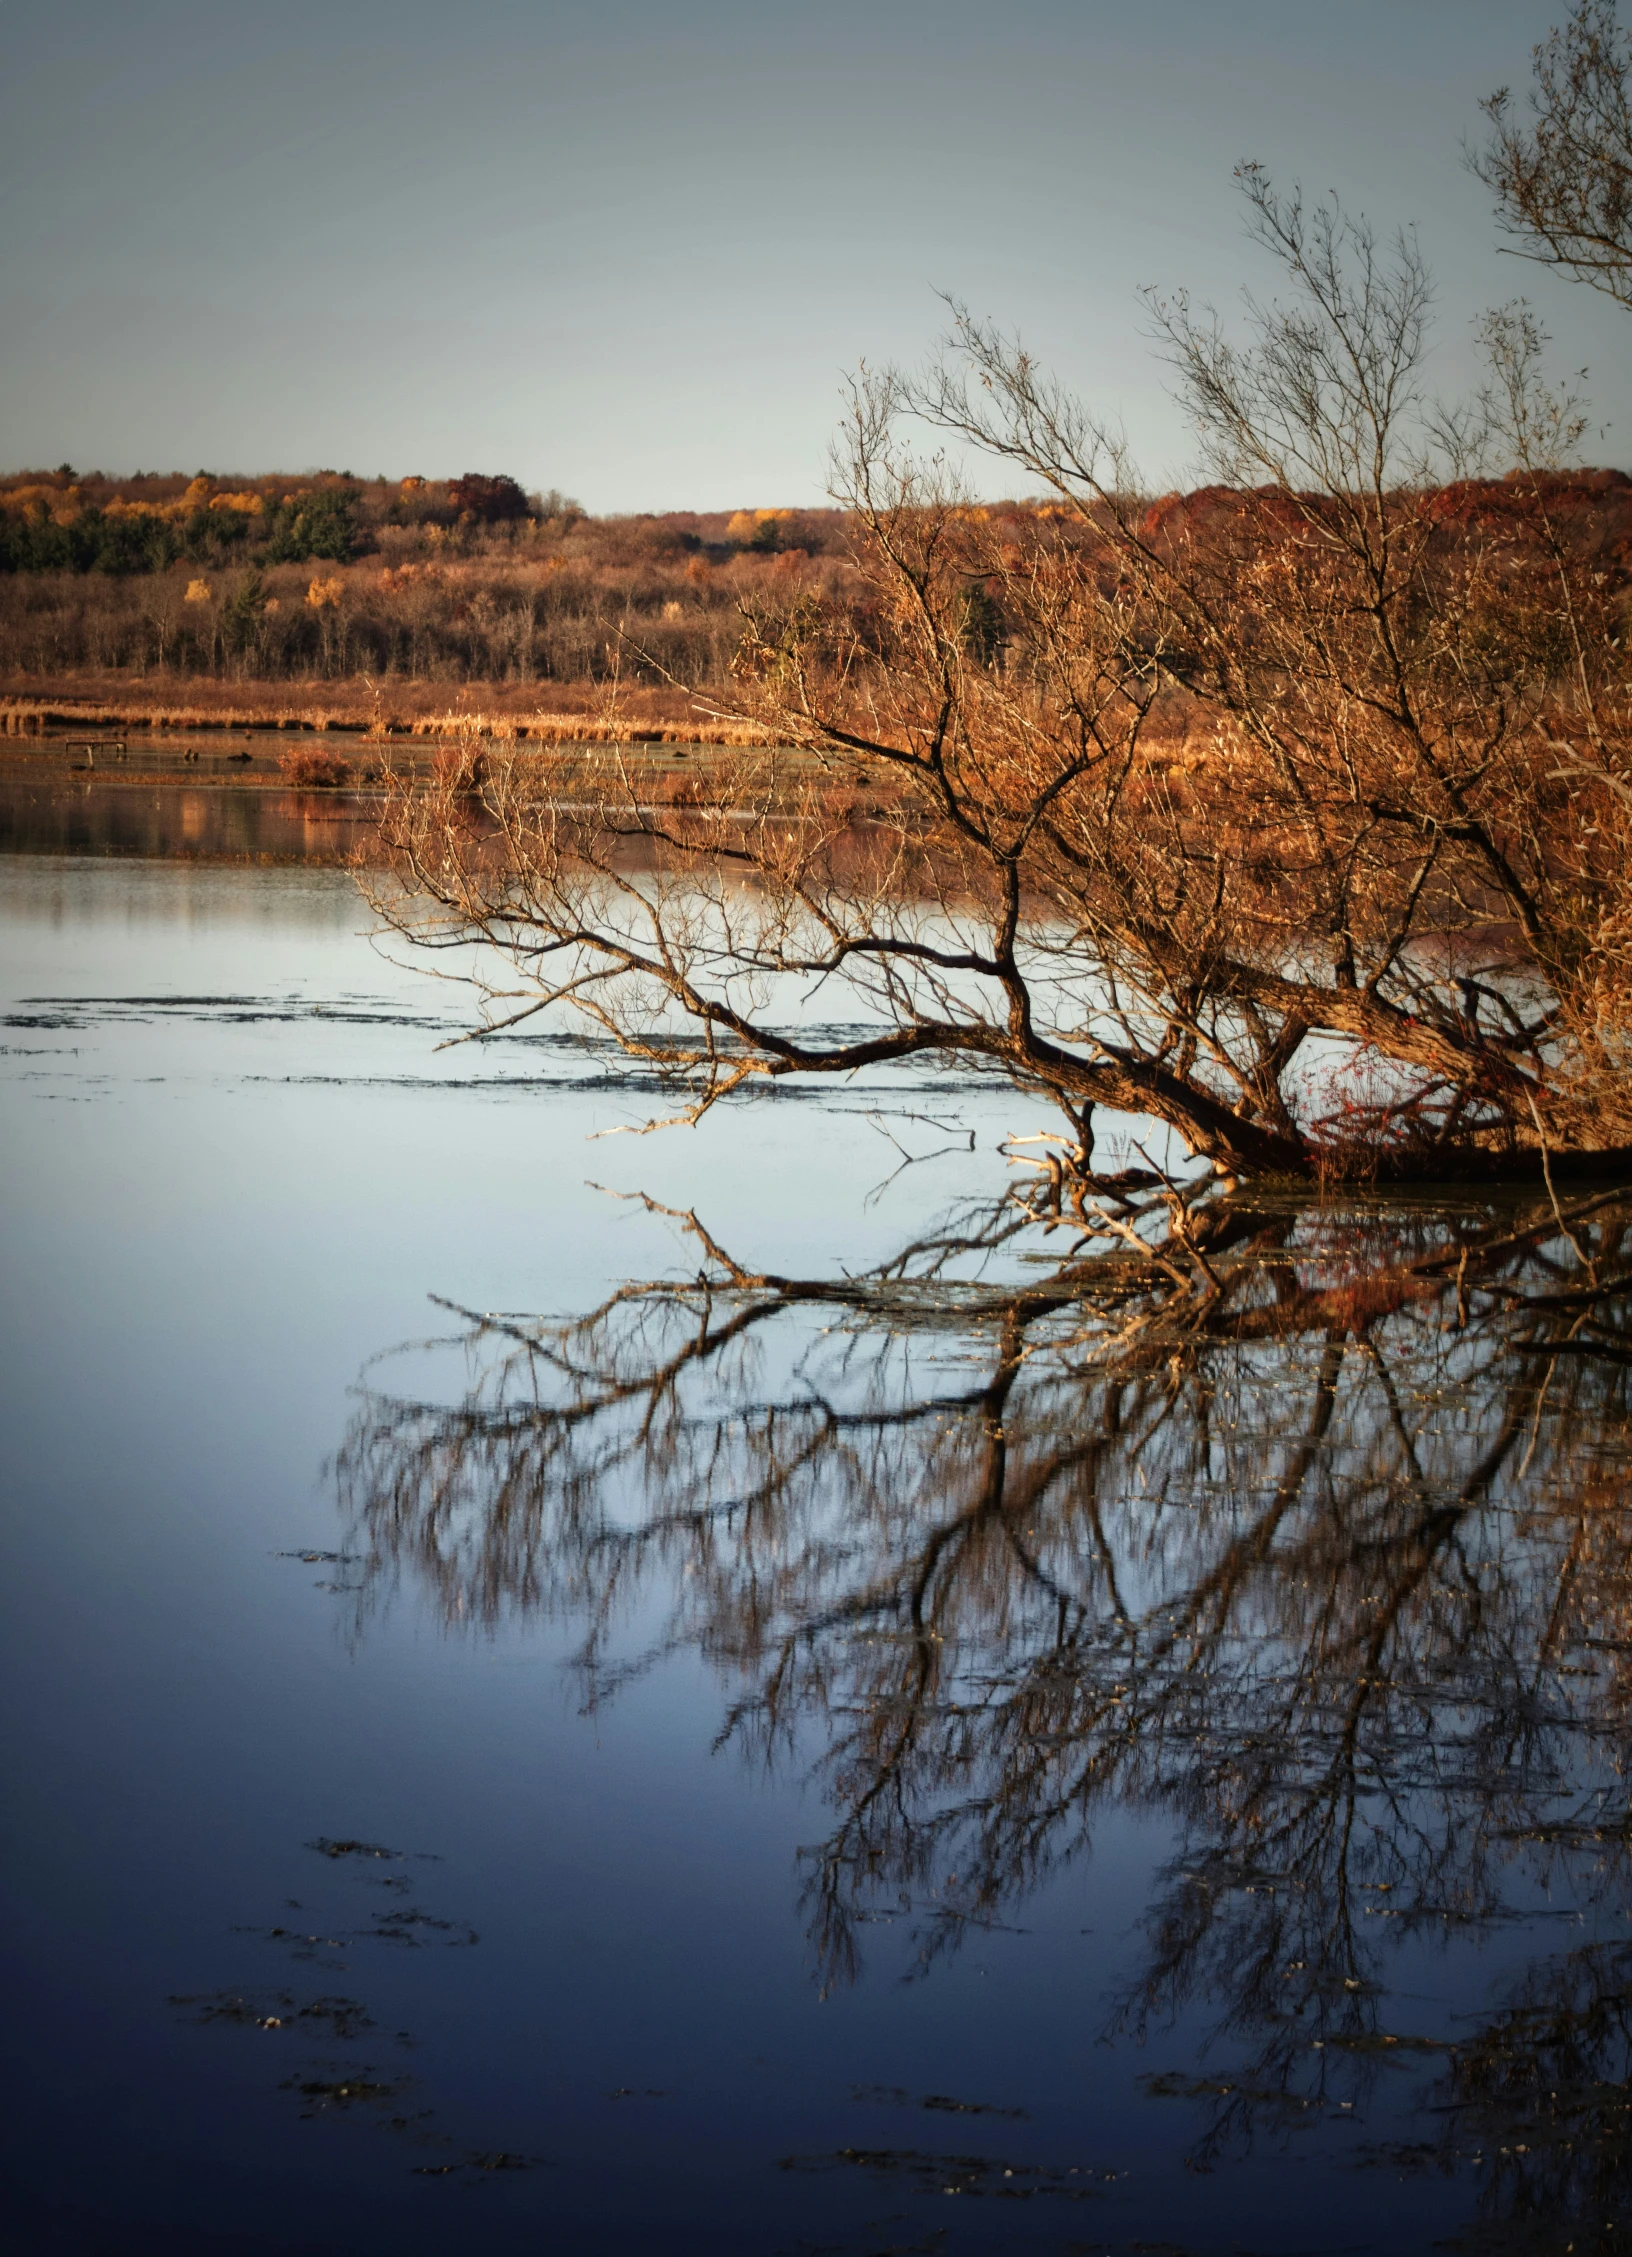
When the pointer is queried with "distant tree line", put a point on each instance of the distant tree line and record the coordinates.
(467, 579)
(57, 525)
(61, 521)
(562, 597)
(538, 599)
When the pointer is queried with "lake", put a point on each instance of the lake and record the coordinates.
(740, 1773)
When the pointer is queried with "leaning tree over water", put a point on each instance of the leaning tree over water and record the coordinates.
(1294, 814)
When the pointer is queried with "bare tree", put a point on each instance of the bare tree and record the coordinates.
(1295, 815)
(1561, 169)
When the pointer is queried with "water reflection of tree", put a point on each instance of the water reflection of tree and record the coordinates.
(1330, 1562)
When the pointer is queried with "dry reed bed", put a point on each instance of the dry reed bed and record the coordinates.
(32, 717)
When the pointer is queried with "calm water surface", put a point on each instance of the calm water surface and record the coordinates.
(618, 1786)
(214, 798)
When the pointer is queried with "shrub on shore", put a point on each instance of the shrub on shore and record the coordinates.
(314, 771)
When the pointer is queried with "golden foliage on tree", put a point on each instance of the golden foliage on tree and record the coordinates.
(758, 528)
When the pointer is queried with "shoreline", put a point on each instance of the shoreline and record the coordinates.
(577, 713)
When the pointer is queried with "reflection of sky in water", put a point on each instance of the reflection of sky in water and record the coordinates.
(217, 1213)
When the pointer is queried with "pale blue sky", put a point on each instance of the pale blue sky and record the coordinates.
(628, 250)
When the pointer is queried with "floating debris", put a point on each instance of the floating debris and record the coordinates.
(964, 2174)
(348, 1848)
(359, 2091)
(341, 2018)
(895, 2096)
